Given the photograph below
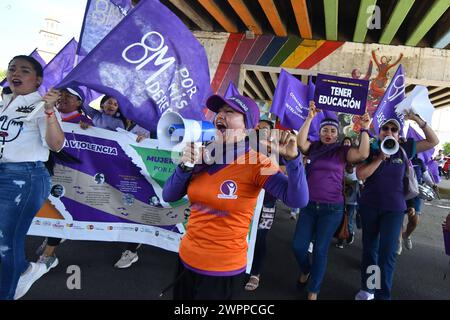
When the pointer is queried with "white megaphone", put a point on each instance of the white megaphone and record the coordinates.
(389, 146)
(174, 132)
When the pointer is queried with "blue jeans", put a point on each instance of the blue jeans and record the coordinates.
(380, 231)
(24, 188)
(318, 220)
(351, 210)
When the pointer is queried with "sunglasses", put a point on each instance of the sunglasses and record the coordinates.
(387, 128)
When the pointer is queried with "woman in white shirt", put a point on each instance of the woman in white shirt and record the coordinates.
(29, 128)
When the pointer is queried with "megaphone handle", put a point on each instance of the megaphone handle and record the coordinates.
(197, 145)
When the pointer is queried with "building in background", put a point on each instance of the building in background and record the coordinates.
(49, 39)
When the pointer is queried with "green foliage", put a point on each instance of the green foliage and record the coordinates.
(2, 74)
(446, 147)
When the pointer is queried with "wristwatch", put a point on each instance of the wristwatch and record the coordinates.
(185, 168)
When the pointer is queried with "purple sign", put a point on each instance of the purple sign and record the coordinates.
(341, 94)
(150, 62)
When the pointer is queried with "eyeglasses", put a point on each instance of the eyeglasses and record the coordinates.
(387, 128)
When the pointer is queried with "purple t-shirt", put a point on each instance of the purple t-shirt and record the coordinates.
(384, 189)
(325, 173)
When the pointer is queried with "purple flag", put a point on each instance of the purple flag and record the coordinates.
(124, 5)
(393, 95)
(426, 156)
(150, 62)
(340, 94)
(35, 55)
(59, 66)
(100, 18)
(232, 91)
(290, 101)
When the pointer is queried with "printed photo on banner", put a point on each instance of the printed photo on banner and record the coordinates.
(341, 94)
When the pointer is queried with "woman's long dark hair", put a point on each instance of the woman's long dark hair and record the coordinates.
(118, 113)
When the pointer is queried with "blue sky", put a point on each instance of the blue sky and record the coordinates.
(21, 20)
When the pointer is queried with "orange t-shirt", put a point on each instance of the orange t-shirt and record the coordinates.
(222, 207)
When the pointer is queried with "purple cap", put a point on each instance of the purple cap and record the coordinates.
(76, 91)
(329, 122)
(240, 104)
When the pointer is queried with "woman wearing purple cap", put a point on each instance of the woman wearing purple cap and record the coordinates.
(223, 196)
(382, 205)
(325, 163)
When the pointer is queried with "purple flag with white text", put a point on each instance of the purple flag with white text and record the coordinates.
(100, 18)
(35, 55)
(151, 63)
(393, 95)
(290, 101)
(59, 66)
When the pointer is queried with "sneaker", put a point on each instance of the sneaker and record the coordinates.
(351, 238)
(408, 243)
(399, 248)
(26, 280)
(293, 215)
(311, 247)
(364, 295)
(127, 259)
(50, 262)
(340, 244)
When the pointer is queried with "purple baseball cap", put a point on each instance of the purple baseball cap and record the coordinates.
(240, 104)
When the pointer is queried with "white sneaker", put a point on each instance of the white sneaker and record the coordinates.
(311, 247)
(50, 262)
(26, 280)
(364, 295)
(399, 248)
(408, 243)
(127, 259)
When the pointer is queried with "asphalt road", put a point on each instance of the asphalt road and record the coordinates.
(419, 272)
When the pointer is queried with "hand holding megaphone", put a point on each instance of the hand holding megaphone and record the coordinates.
(191, 154)
(177, 134)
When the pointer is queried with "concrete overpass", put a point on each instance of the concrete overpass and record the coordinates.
(249, 41)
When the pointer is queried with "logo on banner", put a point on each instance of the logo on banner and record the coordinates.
(228, 190)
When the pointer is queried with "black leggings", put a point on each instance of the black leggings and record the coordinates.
(54, 242)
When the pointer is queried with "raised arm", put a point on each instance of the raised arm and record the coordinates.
(431, 139)
(54, 136)
(302, 138)
(361, 153)
(293, 189)
(175, 187)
